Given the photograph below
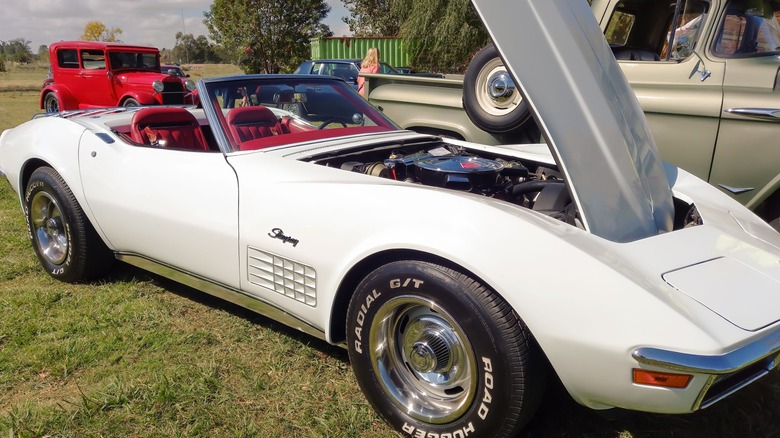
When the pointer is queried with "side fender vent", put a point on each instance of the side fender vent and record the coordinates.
(281, 275)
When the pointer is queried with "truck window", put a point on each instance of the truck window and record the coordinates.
(619, 27)
(749, 28)
(687, 30)
(640, 30)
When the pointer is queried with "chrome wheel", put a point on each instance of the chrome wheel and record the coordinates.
(47, 224)
(496, 92)
(424, 361)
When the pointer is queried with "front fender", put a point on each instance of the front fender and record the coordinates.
(142, 97)
(48, 141)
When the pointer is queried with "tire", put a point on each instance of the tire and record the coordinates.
(130, 102)
(490, 97)
(65, 242)
(50, 103)
(435, 352)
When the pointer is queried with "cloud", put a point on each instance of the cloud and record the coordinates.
(146, 22)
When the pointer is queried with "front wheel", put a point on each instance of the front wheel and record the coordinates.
(65, 242)
(436, 352)
(130, 102)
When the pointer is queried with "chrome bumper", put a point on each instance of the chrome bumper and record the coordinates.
(727, 372)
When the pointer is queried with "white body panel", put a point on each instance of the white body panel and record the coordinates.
(286, 227)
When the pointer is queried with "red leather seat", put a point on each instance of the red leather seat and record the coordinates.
(167, 127)
(253, 122)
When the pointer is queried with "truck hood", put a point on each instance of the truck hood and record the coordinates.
(587, 112)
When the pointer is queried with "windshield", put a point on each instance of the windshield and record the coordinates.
(303, 109)
(134, 60)
(749, 28)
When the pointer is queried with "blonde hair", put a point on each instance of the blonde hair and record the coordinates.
(372, 57)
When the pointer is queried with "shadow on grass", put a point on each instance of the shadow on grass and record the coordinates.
(748, 413)
(125, 272)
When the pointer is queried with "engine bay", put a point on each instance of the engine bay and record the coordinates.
(440, 164)
(437, 163)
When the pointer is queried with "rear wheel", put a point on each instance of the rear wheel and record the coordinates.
(65, 242)
(50, 103)
(436, 352)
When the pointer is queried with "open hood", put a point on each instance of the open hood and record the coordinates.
(587, 112)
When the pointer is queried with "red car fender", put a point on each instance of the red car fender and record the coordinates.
(64, 96)
(142, 98)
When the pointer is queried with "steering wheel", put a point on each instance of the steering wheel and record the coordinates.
(332, 120)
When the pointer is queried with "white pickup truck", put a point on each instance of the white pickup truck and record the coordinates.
(712, 96)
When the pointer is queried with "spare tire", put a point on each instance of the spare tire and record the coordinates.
(490, 97)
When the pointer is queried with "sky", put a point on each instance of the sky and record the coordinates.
(143, 22)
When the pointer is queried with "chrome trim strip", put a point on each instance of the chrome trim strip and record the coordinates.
(730, 362)
(224, 292)
(771, 114)
(704, 390)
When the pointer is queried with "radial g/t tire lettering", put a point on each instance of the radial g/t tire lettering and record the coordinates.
(436, 352)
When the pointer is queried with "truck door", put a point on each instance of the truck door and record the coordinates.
(679, 88)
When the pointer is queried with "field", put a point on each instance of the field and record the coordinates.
(136, 355)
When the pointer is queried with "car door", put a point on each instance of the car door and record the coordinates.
(681, 92)
(746, 161)
(176, 207)
(95, 84)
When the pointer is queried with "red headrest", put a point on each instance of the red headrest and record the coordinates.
(170, 126)
(251, 115)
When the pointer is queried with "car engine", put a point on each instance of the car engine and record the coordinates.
(440, 164)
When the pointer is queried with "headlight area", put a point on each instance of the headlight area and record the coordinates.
(158, 86)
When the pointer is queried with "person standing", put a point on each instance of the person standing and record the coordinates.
(370, 64)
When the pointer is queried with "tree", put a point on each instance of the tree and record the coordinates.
(43, 53)
(267, 35)
(444, 34)
(16, 50)
(97, 31)
(190, 49)
(372, 17)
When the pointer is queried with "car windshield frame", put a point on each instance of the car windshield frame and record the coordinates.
(309, 101)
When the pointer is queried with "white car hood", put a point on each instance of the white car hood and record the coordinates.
(590, 117)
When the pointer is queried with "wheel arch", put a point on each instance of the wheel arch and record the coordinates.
(349, 283)
(33, 164)
(141, 97)
(66, 99)
(27, 170)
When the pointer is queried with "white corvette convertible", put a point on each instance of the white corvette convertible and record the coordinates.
(459, 276)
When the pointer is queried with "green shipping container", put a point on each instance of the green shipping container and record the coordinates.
(391, 49)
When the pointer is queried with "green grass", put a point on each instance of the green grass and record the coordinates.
(136, 355)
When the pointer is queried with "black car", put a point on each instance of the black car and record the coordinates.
(346, 69)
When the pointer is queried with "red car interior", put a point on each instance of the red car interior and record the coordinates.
(168, 127)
